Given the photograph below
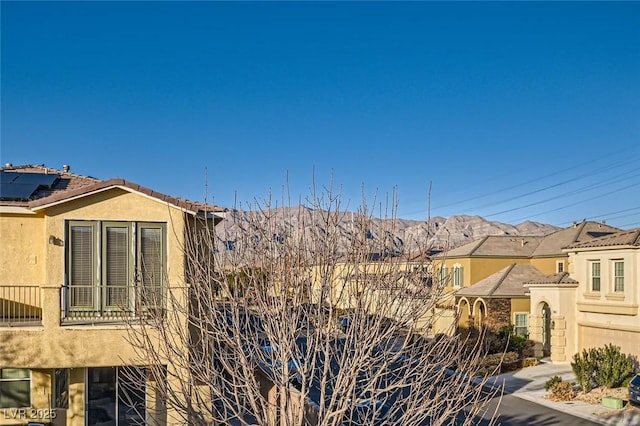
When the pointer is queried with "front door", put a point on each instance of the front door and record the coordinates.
(115, 396)
(546, 330)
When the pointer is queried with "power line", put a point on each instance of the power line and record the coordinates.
(608, 215)
(554, 186)
(573, 192)
(582, 201)
(591, 173)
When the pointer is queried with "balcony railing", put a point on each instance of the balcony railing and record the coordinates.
(82, 304)
(20, 306)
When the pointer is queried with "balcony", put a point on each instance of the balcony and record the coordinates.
(20, 306)
(110, 304)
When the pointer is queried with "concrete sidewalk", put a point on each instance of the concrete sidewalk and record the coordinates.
(528, 383)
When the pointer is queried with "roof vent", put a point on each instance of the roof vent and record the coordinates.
(66, 168)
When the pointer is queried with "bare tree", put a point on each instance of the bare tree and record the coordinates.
(289, 322)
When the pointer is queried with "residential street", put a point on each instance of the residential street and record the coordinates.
(517, 412)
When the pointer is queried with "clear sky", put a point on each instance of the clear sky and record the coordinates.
(511, 111)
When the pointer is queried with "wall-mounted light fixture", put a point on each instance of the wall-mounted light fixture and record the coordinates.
(55, 240)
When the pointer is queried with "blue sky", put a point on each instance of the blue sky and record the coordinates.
(511, 111)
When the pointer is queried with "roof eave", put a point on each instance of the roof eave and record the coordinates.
(108, 188)
(15, 210)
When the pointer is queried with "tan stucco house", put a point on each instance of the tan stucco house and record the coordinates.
(488, 276)
(79, 257)
(595, 303)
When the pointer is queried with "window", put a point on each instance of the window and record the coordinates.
(618, 276)
(521, 324)
(61, 388)
(15, 388)
(108, 260)
(560, 266)
(595, 276)
(116, 396)
(443, 276)
(457, 275)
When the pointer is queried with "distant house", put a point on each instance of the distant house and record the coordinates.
(79, 258)
(392, 286)
(499, 299)
(486, 277)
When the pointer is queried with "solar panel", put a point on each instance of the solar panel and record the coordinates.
(15, 191)
(41, 179)
(6, 177)
(20, 186)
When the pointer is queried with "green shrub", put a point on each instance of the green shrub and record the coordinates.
(517, 343)
(612, 366)
(584, 365)
(551, 382)
(605, 366)
(529, 350)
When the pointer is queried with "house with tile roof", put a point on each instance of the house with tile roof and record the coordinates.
(486, 282)
(597, 304)
(80, 258)
(503, 295)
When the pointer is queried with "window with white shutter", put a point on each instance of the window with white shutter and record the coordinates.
(114, 266)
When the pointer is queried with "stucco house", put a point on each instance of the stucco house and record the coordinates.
(79, 257)
(487, 277)
(595, 303)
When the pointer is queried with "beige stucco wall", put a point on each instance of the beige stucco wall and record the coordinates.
(561, 301)
(549, 265)
(598, 335)
(608, 316)
(519, 306)
(55, 346)
(33, 253)
(22, 250)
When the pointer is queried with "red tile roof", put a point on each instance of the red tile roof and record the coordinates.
(70, 186)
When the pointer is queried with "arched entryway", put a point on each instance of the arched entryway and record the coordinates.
(479, 313)
(464, 312)
(545, 314)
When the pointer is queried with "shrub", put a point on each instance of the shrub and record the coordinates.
(517, 343)
(605, 366)
(584, 365)
(612, 366)
(551, 382)
(529, 350)
(563, 391)
(529, 362)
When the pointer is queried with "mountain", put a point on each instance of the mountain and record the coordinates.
(402, 235)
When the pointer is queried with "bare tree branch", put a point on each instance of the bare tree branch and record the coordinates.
(290, 323)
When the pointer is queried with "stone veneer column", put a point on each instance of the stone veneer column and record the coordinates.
(558, 338)
(536, 330)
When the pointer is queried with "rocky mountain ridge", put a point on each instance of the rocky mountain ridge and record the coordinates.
(404, 235)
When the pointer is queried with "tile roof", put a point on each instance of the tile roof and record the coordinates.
(70, 186)
(553, 243)
(507, 282)
(624, 238)
(558, 278)
(532, 246)
(497, 245)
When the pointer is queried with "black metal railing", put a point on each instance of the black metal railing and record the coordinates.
(20, 306)
(111, 303)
